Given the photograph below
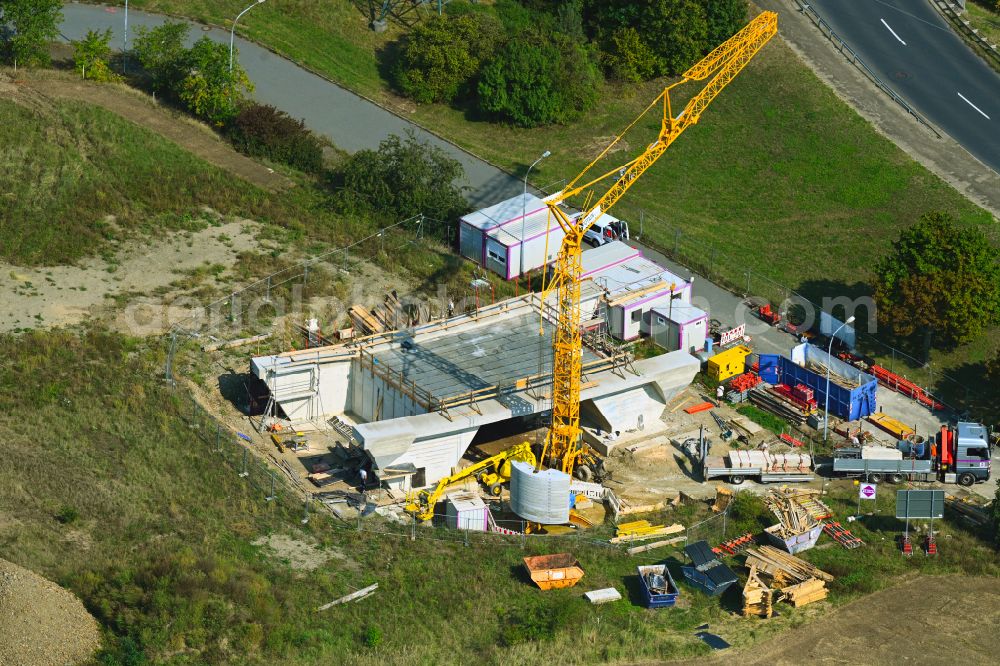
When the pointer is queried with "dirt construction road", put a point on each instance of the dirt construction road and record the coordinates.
(924, 621)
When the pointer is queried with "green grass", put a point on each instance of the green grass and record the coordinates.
(773, 423)
(115, 492)
(69, 167)
(984, 18)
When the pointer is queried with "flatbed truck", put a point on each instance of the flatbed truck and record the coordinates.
(737, 466)
(959, 454)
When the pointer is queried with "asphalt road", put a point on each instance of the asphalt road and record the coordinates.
(350, 121)
(911, 47)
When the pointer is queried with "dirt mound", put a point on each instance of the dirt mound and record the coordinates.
(42, 623)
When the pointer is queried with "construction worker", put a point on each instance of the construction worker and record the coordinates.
(364, 478)
(720, 391)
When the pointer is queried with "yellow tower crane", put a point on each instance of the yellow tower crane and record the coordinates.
(562, 445)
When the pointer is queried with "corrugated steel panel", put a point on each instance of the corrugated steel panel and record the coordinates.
(542, 497)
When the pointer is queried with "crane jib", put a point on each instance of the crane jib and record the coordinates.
(562, 445)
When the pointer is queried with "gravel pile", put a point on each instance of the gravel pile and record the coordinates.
(42, 623)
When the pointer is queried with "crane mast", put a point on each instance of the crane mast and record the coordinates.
(562, 444)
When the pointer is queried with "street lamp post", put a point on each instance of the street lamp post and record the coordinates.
(232, 31)
(125, 44)
(524, 204)
(829, 354)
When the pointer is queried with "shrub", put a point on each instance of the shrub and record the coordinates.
(261, 130)
(161, 53)
(534, 82)
(440, 57)
(404, 178)
(210, 89)
(91, 55)
(676, 31)
(67, 515)
(724, 18)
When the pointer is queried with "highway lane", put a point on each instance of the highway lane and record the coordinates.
(914, 50)
(350, 121)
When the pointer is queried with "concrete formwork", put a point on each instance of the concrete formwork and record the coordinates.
(418, 397)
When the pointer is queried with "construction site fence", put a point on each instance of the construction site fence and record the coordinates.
(953, 12)
(856, 60)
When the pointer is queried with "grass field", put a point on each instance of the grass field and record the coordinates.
(70, 166)
(985, 18)
(112, 493)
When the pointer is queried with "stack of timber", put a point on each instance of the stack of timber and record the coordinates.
(799, 582)
(968, 509)
(795, 509)
(641, 530)
(770, 400)
(364, 320)
(805, 592)
(758, 598)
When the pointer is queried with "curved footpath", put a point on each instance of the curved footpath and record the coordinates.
(352, 122)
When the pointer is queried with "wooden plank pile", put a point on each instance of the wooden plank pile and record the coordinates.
(770, 400)
(640, 530)
(758, 598)
(793, 515)
(799, 582)
(364, 320)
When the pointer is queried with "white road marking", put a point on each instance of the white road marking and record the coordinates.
(893, 32)
(973, 106)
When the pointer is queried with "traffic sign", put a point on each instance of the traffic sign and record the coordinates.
(867, 491)
(916, 504)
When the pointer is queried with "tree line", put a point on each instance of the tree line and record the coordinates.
(537, 62)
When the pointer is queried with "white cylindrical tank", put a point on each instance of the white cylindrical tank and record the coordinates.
(541, 497)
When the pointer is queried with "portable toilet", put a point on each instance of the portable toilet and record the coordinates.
(729, 363)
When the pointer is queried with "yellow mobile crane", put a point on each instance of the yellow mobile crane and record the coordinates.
(562, 445)
(492, 473)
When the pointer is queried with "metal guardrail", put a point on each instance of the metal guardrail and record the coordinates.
(951, 11)
(856, 60)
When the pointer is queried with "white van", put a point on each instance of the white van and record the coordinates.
(606, 229)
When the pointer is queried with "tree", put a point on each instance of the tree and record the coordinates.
(91, 55)
(27, 27)
(539, 82)
(260, 130)
(941, 280)
(629, 59)
(724, 19)
(161, 53)
(209, 88)
(675, 30)
(442, 55)
(404, 178)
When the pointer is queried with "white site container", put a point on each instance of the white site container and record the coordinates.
(466, 511)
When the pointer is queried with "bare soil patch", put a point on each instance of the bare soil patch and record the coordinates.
(64, 295)
(924, 621)
(300, 554)
(42, 623)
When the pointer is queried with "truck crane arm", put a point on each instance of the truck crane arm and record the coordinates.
(562, 445)
(492, 471)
